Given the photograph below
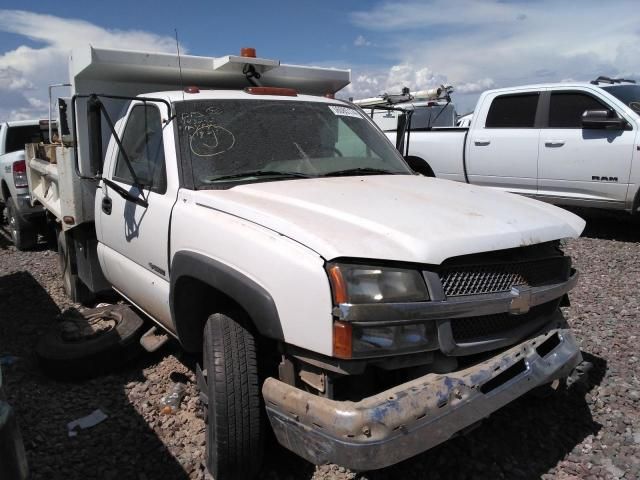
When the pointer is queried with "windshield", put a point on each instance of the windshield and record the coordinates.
(629, 94)
(226, 142)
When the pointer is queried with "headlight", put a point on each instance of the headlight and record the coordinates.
(353, 283)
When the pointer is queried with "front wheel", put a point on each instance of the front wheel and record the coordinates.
(236, 420)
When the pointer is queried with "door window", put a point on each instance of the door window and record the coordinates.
(142, 141)
(566, 108)
(513, 111)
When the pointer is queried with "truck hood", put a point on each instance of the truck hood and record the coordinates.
(394, 217)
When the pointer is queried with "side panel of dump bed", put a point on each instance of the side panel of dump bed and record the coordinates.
(53, 183)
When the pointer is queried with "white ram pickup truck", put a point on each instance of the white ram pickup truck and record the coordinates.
(24, 219)
(365, 312)
(565, 143)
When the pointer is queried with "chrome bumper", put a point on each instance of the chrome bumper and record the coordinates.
(399, 423)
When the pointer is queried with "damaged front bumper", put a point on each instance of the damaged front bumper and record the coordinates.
(399, 423)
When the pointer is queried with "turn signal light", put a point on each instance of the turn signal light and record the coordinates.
(248, 52)
(342, 339)
(285, 92)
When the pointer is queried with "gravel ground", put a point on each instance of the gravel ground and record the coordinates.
(591, 431)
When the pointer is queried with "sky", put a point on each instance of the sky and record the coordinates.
(473, 45)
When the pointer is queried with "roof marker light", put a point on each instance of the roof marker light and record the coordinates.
(285, 92)
(192, 90)
(248, 52)
(330, 95)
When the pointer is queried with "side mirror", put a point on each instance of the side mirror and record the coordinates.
(602, 119)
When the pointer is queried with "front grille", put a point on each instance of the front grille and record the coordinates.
(500, 277)
(472, 329)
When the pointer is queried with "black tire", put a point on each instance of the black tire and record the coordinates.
(235, 415)
(75, 289)
(76, 357)
(23, 233)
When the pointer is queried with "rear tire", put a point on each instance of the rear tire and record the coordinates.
(75, 289)
(23, 233)
(235, 414)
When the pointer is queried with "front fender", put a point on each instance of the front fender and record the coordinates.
(254, 299)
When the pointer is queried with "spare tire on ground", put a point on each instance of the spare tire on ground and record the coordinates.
(90, 343)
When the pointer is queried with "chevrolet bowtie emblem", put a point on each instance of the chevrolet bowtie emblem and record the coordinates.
(521, 302)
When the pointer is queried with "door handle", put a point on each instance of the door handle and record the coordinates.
(481, 142)
(106, 205)
(554, 143)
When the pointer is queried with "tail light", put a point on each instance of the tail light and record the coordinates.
(20, 174)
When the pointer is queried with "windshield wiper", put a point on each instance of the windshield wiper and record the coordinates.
(258, 173)
(359, 171)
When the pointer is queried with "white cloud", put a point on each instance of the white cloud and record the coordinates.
(369, 82)
(26, 71)
(360, 41)
(479, 45)
(475, 87)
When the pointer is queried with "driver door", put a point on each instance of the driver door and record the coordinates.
(134, 237)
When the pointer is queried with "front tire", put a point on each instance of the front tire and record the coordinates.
(23, 233)
(236, 420)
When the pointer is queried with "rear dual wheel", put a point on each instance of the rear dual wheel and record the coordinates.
(75, 289)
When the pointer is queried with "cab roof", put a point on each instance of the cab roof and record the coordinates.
(541, 86)
(173, 96)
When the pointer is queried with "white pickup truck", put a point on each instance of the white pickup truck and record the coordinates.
(566, 143)
(25, 220)
(367, 313)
